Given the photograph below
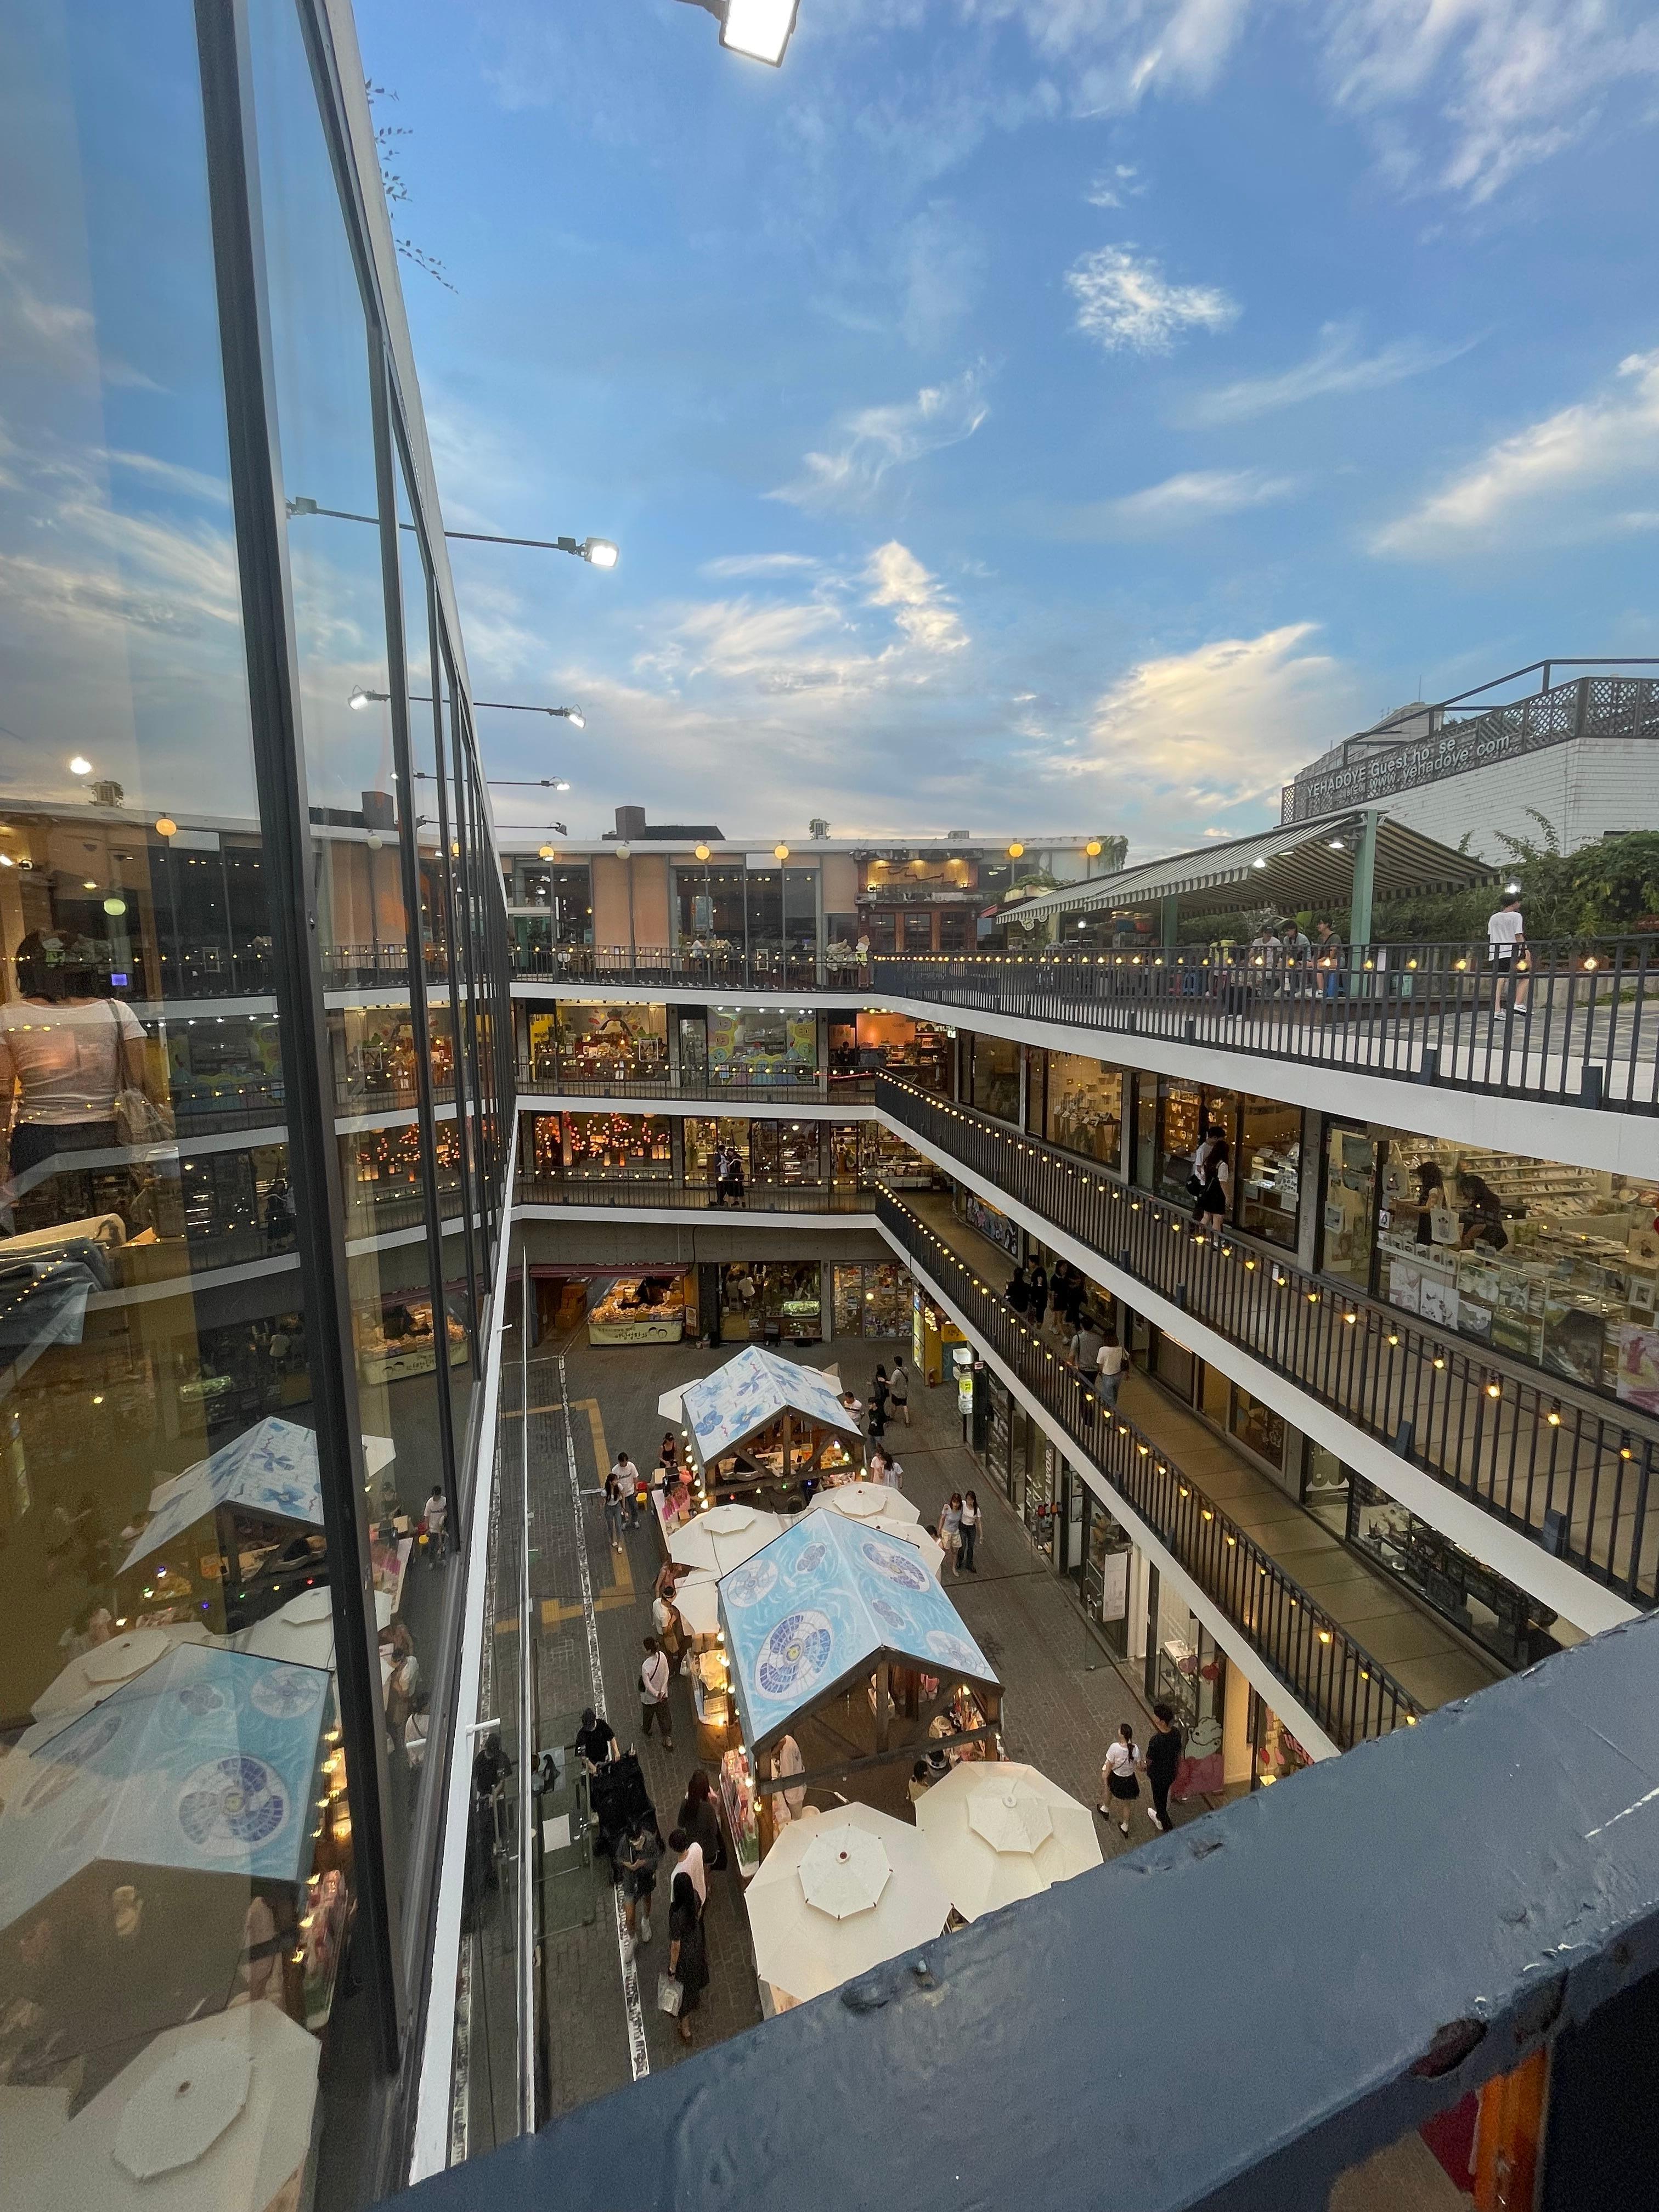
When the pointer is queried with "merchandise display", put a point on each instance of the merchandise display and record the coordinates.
(737, 1798)
(401, 1342)
(1084, 1110)
(638, 1310)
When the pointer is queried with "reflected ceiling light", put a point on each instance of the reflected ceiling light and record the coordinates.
(165, 825)
(7, 861)
(80, 765)
(1016, 851)
(89, 883)
(1258, 862)
(115, 906)
(780, 852)
(577, 721)
(702, 852)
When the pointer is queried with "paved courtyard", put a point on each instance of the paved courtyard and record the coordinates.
(1063, 1693)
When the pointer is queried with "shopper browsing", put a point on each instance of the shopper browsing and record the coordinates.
(613, 1506)
(898, 1391)
(1212, 1178)
(970, 1527)
(654, 1676)
(636, 1859)
(1162, 1763)
(1118, 1778)
(687, 1950)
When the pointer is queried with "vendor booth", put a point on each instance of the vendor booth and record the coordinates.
(229, 1538)
(763, 1423)
(837, 1635)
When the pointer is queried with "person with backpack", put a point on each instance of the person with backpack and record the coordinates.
(898, 1390)
(655, 1674)
(1118, 1777)
(1162, 1764)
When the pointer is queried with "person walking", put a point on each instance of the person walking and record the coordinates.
(1085, 1347)
(437, 1526)
(880, 1393)
(1506, 948)
(898, 1391)
(628, 1483)
(1118, 1777)
(636, 1861)
(1039, 1281)
(876, 1418)
(687, 1949)
(1019, 1292)
(613, 1507)
(1213, 1178)
(1109, 1368)
(699, 1816)
(969, 1527)
(950, 1529)
(1162, 1762)
(655, 1674)
(1077, 1290)
(734, 1184)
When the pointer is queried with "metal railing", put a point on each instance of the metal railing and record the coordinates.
(1575, 1024)
(736, 1090)
(764, 968)
(1540, 1456)
(1588, 707)
(1331, 1675)
(760, 1199)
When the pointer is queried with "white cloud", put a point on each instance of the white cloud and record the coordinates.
(1336, 364)
(1223, 726)
(925, 612)
(1113, 186)
(1124, 302)
(877, 439)
(757, 564)
(1196, 495)
(1558, 482)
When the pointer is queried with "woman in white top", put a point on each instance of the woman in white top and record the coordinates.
(66, 1053)
(1118, 1777)
(1109, 1368)
(1213, 1178)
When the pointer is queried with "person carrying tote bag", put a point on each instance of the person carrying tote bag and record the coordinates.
(687, 1957)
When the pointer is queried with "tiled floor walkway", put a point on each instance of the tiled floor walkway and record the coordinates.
(1426, 1658)
(1063, 1693)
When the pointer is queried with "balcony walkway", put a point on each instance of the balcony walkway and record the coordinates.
(1428, 1659)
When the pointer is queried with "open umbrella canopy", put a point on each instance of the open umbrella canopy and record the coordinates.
(270, 1469)
(999, 1831)
(696, 1600)
(93, 1674)
(724, 1410)
(724, 1537)
(212, 2116)
(837, 1894)
(302, 1632)
(669, 1404)
(865, 1501)
(206, 1760)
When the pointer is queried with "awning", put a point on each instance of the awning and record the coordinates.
(727, 1409)
(1303, 864)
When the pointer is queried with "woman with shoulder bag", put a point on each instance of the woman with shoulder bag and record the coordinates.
(950, 1529)
(688, 1955)
(1119, 1775)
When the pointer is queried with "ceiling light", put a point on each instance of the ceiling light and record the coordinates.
(89, 883)
(761, 30)
(703, 852)
(1258, 863)
(116, 906)
(1337, 845)
(80, 765)
(624, 852)
(165, 825)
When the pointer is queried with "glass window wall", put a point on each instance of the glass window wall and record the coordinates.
(996, 1077)
(1269, 1171)
(1084, 1110)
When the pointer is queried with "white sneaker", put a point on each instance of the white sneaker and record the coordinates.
(1124, 1825)
(1151, 1815)
(645, 1931)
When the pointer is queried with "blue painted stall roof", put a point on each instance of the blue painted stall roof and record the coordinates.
(724, 1409)
(826, 1598)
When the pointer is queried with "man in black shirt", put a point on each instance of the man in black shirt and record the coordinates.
(1162, 1762)
(596, 1742)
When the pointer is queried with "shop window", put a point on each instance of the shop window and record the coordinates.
(1326, 1485)
(1175, 1367)
(954, 925)
(995, 1076)
(1084, 1107)
(623, 1147)
(993, 1225)
(784, 1152)
(762, 1045)
(872, 1299)
(1106, 1563)
(775, 1301)
(1186, 1113)
(598, 1044)
(1349, 1207)
(881, 926)
(1258, 1427)
(704, 1136)
(1269, 1170)
(918, 929)
(763, 893)
(1275, 1755)
(888, 1163)
(711, 909)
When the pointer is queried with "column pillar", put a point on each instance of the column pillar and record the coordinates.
(1364, 879)
(1169, 923)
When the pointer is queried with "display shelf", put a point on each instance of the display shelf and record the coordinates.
(737, 1784)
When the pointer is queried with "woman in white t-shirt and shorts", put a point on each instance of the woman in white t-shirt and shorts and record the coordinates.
(66, 1054)
(1118, 1775)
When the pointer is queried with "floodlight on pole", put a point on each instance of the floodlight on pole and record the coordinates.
(760, 30)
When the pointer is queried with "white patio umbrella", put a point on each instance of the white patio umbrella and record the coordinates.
(671, 1404)
(212, 2116)
(1002, 1830)
(697, 1602)
(93, 1674)
(724, 1537)
(912, 1533)
(865, 1501)
(835, 1896)
(302, 1631)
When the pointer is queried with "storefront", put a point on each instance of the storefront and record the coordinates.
(762, 1045)
(869, 1042)
(647, 1308)
(770, 1302)
(401, 1340)
(771, 1152)
(1187, 1670)
(1493, 1613)
(1275, 1755)
(1553, 1265)
(223, 1064)
(601, 1147)
(993, 1076)
(1104, 1553)
(996, 1227)
(588, 1042)
(872, 1298)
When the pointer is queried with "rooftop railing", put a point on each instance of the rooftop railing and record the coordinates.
(1589, 707)
(1540, 1456)
(1574, 1024)
(1333, 1677)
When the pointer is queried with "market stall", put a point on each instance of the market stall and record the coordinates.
(837, 1620)
(226, 1537)
(762, 1423)
(638, 1309)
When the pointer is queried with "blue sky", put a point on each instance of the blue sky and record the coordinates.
(1027, 414)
